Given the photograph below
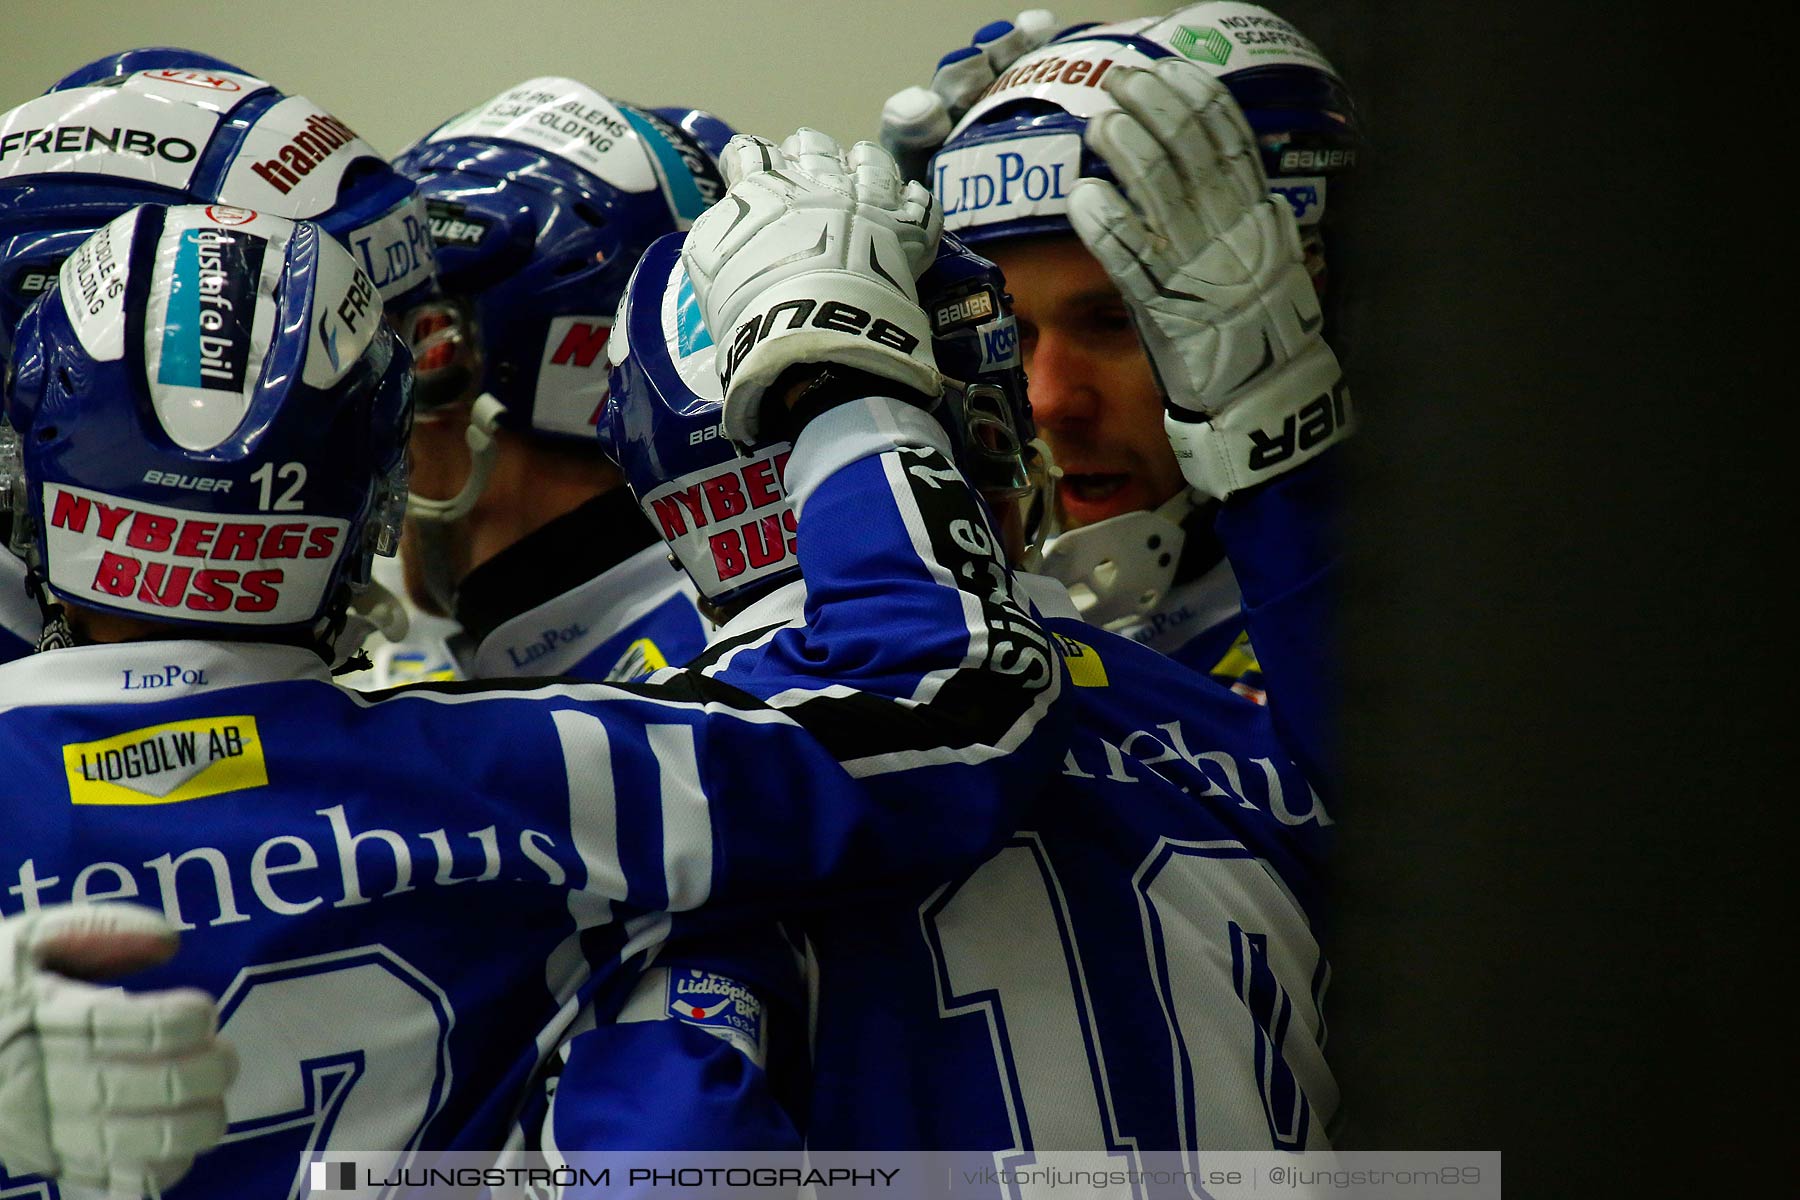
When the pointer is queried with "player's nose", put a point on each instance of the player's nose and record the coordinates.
(1061, 382)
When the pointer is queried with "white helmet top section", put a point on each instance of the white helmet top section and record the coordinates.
(294, 159)
(1066, 74)
(186, 135)
(212, 300)
(1226, 36)
(151, 126)
(212, 286)
(691, 347)
(569, 120)
(1223, 36)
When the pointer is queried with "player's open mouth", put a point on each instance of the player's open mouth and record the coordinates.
(1092, 489)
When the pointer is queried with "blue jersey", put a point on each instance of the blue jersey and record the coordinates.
(1283, 539)
(1139, 968)
(656, 1075)
(402, 901)
(636, 615)
(1207, 633)
(680, 1066)
(1197, 616)
(629, 620)
(1272, 558)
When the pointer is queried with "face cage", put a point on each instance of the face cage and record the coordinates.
(386, 514)
(993, 450)
(14, 495)
(446, 347)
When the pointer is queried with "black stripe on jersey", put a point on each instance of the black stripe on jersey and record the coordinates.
(464, 687)
(678, 687)
(694, 688)
(981, 703)
(717, 650)
(990, 701)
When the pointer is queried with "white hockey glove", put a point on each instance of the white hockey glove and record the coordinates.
(915, 122)
(1211, 268)
(100, 1087)
(812, 257)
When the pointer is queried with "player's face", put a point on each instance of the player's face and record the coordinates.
(1093, 396)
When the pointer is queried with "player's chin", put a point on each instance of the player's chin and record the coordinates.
(1087, 498)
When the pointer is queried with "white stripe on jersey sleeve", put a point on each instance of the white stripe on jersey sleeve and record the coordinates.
(687, 823)
(593, 799)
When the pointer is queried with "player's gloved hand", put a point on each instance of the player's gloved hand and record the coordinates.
(915, 122)
(1211, 268)
(101, 1087)
(812, 257)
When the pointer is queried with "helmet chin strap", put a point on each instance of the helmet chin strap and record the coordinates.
(1038, 517)
(1118, 569)
(433, 518)
(484, 419)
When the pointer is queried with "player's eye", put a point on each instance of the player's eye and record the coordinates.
(1028, 336)
(1108, 319)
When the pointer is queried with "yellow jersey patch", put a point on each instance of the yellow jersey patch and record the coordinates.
(640, 658)
(415, 666)
(1083, 663)
(166, 764)
(1238, 660)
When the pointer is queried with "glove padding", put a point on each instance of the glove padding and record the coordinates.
(1211, 268)
(812, 257)
(101, 1087)
(915, 122)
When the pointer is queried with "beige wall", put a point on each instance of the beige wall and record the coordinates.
(394, 69)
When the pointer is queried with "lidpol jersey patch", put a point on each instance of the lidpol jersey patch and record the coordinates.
(723, 1007)
(166, 764)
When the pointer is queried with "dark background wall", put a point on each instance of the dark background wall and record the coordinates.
(1561, 902)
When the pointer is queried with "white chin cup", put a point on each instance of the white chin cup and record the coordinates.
(373, 609)
(483, 421)
(1118, 569)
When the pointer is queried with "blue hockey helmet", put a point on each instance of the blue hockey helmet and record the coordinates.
(723, 508)
(143, 58)
(205, 424)
(703, 127)
(541, 201)
(976, 343)
(77, 157)
(1008, 166)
